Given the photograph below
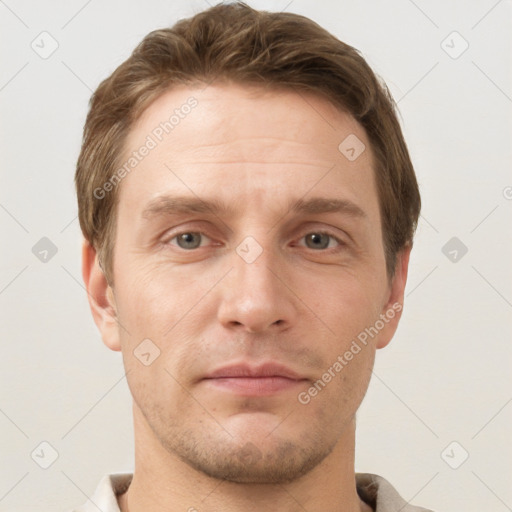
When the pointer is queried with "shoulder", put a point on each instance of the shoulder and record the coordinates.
(105, 495)
(377, 492)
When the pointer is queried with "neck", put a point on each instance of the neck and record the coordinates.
(163, 482)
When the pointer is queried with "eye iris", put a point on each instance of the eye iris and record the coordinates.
(189, 240)
(317, 240)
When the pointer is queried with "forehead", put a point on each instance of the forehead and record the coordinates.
(235, 140)
(227, 113)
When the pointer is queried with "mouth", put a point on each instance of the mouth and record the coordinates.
(248, 380)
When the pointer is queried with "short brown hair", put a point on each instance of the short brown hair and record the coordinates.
(236, 43)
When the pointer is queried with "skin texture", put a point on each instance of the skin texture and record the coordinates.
(205, 448)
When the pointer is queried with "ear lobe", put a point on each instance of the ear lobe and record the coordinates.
(101, 297)
(392, 310)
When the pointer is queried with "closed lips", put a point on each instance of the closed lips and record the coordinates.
(256, 372)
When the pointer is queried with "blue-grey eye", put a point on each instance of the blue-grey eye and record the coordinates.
(318, 240)
(188, 240)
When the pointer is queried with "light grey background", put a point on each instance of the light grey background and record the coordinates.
(446, 375)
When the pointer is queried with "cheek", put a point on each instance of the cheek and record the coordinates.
(156, 391)
(160, 324)
(346, 304)
(334, 398)
(151, 302)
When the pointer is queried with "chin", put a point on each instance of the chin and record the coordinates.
(252, 462)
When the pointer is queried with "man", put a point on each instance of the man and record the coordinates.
(248, 205)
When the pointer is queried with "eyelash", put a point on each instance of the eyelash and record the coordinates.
(340, 246)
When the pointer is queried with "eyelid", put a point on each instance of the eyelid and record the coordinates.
(185, 227)
(326, 229)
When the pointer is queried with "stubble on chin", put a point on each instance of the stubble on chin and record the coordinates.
(267, 461)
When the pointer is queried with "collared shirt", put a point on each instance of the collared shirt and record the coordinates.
(374, 490)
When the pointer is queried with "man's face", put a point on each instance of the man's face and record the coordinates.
(222, 293)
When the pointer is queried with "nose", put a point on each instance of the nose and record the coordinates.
(255, 297)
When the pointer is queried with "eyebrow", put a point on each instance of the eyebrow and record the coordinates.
(171, 205)
(325, 205)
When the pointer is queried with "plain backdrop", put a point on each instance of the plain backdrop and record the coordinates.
(437, 418)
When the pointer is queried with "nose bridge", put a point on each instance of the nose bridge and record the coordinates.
(253, 294)
(254, 268)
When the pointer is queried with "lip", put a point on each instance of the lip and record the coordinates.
(254, 371)
(254, 380)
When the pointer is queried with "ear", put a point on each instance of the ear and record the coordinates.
(101, 297)
(392, 310)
